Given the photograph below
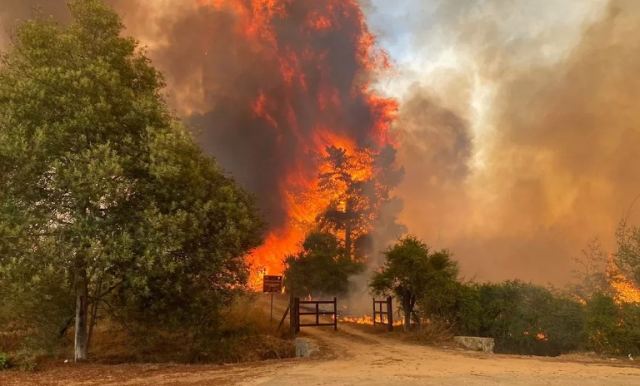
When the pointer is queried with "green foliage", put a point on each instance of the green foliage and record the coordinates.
(613, 329)
(414, 275)
(5, 362)
(528, 319)
(321, 269)
(102, 188)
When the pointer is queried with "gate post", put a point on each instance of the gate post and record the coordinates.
(292, 315)
(390, 313)
(374, 311)
(335, 314)
(296, 314)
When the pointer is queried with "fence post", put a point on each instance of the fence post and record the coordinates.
(335, 314)
(296, 307)
(390, 313)
(292, 314)
(374, 311)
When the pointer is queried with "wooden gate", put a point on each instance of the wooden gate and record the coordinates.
(312, 307)
(383, 308)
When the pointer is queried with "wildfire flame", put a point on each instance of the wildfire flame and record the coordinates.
(368, 320)
(624, 291)
(325, 59)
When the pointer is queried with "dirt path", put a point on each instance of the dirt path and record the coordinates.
(373, 360)
(356, 358)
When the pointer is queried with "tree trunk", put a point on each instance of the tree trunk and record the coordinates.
(347, 240)
(347, 230)
(94, 313)
(82, 296)
(406, 308)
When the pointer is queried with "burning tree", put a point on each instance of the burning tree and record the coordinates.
(356, 186)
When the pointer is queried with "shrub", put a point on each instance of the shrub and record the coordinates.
(522, 318)
(5, 361)
(613, 329)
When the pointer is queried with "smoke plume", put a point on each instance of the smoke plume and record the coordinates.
(520, 138)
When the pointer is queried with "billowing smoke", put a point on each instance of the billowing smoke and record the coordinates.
(521, 128)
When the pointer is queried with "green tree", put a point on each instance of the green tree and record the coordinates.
(411, 272)
(321, 268)
(102, 188)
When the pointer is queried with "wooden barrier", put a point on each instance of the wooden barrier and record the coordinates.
(383, 308)
(312, 307)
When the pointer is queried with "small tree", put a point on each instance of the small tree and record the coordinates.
(321, 268)
(411, 272)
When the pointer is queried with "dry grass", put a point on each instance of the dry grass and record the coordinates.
(244, 334)
(431, 332)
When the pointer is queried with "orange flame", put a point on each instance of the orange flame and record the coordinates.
(368, 320)
(624, 291)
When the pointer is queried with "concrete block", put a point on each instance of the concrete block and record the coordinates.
(475, 343)
(306, 347)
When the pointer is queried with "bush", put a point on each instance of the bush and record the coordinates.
(613, 329)
(5, 361)
(522, 318)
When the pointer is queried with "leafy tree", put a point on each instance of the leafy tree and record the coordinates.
(321, 268)
(102, 189)
(411, 273)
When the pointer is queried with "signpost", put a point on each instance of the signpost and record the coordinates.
(271, 284)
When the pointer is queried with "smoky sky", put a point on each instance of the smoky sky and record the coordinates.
(520, 139)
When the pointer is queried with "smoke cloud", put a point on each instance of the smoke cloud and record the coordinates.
(520, 131)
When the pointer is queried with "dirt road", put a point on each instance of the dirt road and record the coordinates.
(356, 358)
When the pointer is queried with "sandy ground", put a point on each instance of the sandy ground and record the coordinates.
(355, 358)
(352, 356)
